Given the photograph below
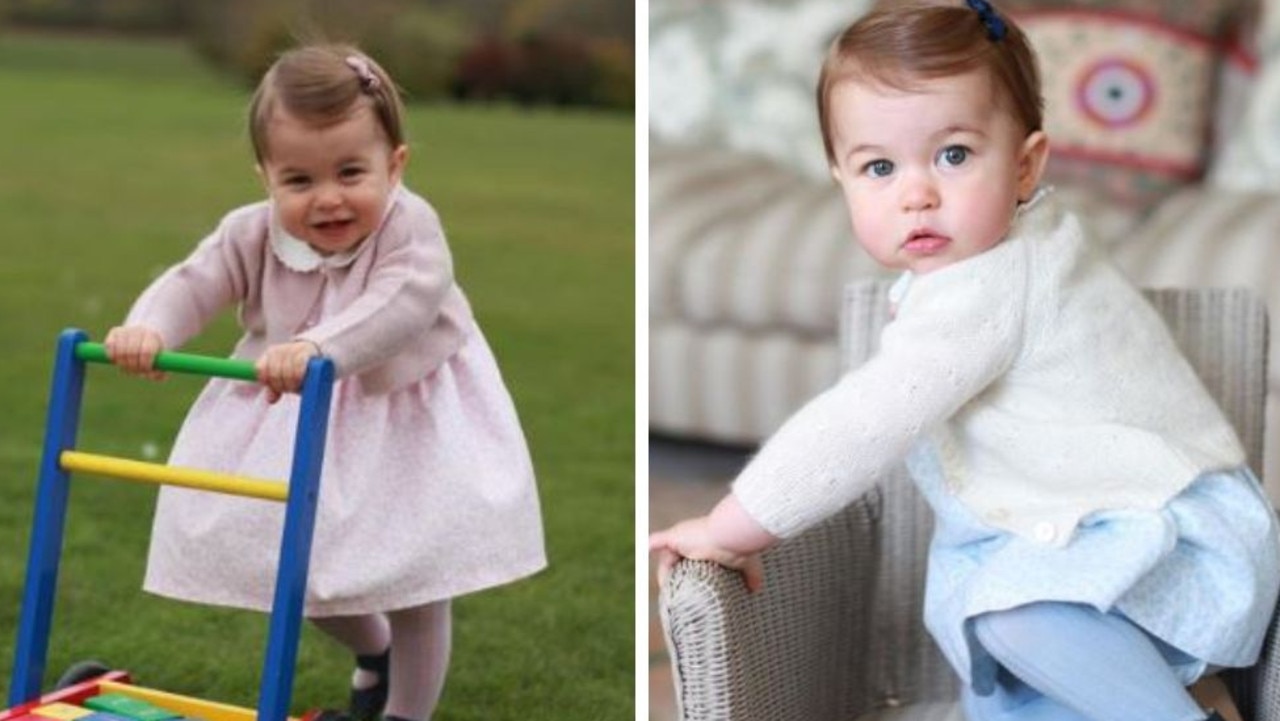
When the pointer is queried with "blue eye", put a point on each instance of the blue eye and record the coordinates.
(953, 155)
(878, 168)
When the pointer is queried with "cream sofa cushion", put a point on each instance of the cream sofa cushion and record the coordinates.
(737, 240)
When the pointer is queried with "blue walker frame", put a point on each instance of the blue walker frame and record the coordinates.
(48, 526)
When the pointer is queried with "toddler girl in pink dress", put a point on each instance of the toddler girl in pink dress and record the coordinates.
(428, 489)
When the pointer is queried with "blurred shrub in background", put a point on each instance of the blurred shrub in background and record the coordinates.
(418, 43)
(615, 74)
(559, 69)
(561, 52)
(128, 16)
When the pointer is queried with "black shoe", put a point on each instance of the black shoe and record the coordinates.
(330, 715)
(367, 703)
(1214, 716)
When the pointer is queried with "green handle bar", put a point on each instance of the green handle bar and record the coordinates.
(179, 362)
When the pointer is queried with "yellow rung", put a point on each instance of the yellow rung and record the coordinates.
(173, 476)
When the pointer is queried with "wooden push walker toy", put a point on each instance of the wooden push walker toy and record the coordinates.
(109, 695)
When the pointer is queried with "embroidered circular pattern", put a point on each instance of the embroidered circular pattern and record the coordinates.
(1116, 92)
(1127, 99)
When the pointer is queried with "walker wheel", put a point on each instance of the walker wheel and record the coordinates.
(80, 672)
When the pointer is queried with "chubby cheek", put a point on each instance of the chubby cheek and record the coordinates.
(292, 216)
(371, 202)
(873, 230)
(989, 220)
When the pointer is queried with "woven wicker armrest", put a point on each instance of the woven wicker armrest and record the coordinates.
(1256, 689)
(795, 650)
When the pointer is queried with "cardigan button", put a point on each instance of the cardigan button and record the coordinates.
(997, 515)
(1045, 532)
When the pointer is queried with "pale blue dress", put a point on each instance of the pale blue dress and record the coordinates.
(1200, 575)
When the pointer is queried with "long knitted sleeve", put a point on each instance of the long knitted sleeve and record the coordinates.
(959, 328)
(188, 295)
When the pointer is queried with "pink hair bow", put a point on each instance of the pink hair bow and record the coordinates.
(368, 81)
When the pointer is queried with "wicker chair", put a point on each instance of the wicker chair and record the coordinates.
(837, 633)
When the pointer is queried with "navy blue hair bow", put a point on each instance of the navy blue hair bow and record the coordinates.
(995, 26)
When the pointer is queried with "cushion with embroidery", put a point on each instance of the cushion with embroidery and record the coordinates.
(1130, 88)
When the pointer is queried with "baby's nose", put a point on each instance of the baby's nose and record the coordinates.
(919, 193)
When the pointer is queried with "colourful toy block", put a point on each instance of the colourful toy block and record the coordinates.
(60, 711)
(73, 694)
(129, 707)
(183, 705)
(104, 716)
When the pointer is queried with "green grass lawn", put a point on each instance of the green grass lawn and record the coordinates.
(118, 156)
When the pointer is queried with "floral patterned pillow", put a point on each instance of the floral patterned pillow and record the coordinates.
(1130, 89)
(740, 74)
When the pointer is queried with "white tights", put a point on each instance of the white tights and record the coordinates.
(420, 640)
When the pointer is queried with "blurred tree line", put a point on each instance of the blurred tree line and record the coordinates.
(563, 52)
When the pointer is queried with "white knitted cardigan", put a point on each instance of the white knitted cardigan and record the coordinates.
(1048, 386)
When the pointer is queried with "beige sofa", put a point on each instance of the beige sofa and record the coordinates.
(750, 245)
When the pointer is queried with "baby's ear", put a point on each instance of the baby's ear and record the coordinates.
(835, 174)
(1031, 162)
(399, 159)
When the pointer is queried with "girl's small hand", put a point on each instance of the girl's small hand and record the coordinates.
(133, 349)
(692, 539)
(282, 367)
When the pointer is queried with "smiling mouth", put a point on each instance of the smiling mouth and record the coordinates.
(331, 225)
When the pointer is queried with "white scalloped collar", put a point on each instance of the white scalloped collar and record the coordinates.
(297, 254)
(300, 256)
(1040, 194)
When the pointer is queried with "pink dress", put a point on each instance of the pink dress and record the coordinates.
(427, 491)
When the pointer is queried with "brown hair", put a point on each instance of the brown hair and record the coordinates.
(899, 44)
(324, 84)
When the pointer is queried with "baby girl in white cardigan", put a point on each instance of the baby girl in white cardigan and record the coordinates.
(1079, 470)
